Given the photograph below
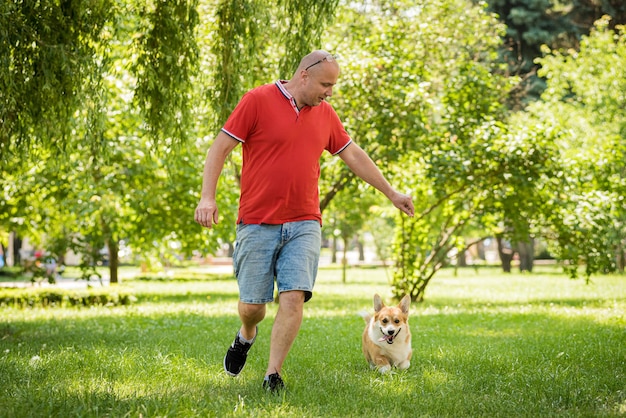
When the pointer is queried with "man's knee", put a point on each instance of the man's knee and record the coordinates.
(251, 311)
(293, 299)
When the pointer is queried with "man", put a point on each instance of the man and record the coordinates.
(283, 129)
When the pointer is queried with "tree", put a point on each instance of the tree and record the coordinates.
(426, 102)
(584, 100)
(54, 55)
(521, 199)
(78, 196)
(584, 13)
(555, 23)
(529, 25)
(46, 67)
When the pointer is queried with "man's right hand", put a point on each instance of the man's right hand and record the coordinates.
(206, 213)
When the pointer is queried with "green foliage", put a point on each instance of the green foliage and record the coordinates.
(584, 100)
(486, 180)
(167, 60)
(590, 231)
(586, 12)
(114, 85)
(57, 55)
(309, 18)
(47, 51)
(235, 48)
(555, 23)
(426, 102)
(89, 245)
(62, 298)
(530, 24)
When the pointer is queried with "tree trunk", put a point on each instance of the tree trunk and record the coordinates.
(344, 261)
(460, 259)
(620, 258)
(506, 254)
(333, 251)
(526, 251)
(13, 257)
(114, 261)
(361, 248)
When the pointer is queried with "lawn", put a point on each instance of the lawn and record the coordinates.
(485, 345)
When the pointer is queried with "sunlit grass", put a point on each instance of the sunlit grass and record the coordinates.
(485, 344)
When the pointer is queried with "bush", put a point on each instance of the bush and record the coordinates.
(37, 297)
(10, 272)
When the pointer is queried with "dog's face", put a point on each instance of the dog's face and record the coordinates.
(391, 321)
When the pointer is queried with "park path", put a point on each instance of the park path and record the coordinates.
(76, 283)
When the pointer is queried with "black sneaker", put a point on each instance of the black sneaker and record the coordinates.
(236, 356)
(273, 383)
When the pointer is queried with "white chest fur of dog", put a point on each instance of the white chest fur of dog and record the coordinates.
(387, 337)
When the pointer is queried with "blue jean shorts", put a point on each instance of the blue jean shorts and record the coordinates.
(288, 254)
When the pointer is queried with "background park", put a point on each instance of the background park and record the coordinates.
(505, 120)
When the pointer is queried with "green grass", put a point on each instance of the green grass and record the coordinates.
(485, 344)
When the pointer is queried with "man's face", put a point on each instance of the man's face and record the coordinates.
(320, 82)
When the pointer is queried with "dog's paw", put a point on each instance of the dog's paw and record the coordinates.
(404, 365)
(384, 369)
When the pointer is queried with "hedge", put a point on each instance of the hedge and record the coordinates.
(51, 297)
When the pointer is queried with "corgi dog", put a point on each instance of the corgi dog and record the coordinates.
(387, 337)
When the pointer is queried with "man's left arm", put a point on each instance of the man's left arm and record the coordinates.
(362, 165)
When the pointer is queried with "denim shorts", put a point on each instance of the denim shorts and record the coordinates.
(287, 253)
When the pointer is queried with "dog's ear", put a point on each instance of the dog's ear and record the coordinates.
(405, 304)
(378, 303)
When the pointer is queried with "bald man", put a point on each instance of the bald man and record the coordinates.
(283, 128)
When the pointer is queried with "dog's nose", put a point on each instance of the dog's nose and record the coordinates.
(391, 331)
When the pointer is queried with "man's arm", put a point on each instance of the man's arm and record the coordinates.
(362, 165)
(206, 212)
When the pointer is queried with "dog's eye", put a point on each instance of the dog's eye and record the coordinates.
(397, 321)
(385, 321)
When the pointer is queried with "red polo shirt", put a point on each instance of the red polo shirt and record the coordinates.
(282, 147)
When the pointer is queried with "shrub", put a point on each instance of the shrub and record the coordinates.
(48, 297)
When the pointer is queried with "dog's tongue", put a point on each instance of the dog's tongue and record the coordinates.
(388, 338)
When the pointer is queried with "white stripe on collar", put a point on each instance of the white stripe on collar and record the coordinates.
(288, 96)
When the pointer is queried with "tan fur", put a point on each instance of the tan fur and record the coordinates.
(387, 337)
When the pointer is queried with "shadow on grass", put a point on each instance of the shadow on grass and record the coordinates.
(186, 297)
(216, 289)
(575, 303)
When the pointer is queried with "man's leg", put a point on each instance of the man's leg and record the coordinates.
(253, 263)
(296, 268)
(250, 315)
(285, 329)
(237, 354)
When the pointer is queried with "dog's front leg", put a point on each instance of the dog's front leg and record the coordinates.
(382, 364)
